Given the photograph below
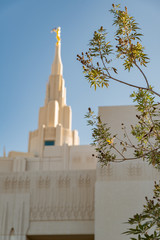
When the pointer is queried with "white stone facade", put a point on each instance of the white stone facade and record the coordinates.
(57, 190)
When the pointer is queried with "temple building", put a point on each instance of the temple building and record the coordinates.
(57, 190)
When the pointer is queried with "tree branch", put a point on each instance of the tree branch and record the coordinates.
(134, 86)
(134, 158)
(142, 74)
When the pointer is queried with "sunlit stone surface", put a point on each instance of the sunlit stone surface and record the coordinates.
(57, 190)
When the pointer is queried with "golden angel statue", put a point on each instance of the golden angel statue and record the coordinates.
(57, 31)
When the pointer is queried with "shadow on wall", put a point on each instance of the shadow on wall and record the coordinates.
(62, 237)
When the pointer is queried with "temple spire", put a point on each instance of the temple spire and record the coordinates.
(57, 67)
(55, 117)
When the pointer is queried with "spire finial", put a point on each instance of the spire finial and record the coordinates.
(58, 32)
(57, 63)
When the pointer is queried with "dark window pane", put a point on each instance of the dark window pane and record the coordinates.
(49, 143)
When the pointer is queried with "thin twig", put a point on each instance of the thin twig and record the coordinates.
(128, 84)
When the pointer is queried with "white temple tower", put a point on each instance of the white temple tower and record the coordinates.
(55, 117)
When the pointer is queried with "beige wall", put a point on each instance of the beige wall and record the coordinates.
(120, 188)
(119, 194)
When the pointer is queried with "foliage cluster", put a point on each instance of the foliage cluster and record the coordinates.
(99, 70)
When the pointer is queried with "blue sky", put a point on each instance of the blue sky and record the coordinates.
(27, 51)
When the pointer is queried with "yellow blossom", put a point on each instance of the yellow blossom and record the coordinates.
(110, 141)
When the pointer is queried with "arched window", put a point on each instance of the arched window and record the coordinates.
(12, 236)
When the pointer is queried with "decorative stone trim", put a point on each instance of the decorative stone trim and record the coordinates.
(58, 195)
